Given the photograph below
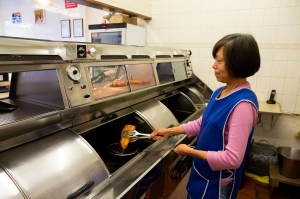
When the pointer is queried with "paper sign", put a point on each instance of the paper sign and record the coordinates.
(69, 4)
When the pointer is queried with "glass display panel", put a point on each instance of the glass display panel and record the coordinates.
(165, 72)
(140, 76)
(108, 80)
(107, 37)
(179, 70)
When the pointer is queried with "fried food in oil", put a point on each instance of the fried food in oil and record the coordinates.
(125, 136)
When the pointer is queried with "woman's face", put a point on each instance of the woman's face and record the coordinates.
(219, 67)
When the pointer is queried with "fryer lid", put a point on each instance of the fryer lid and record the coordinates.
(8, 189)
(56, 166)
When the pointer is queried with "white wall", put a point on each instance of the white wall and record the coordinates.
(198, 24)
(142, 7)
(50, 30)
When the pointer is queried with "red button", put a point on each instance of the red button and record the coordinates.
(83, 86)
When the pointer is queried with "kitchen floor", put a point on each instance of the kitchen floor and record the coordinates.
(252, 189)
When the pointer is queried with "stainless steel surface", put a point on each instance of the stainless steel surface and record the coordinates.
(24, 109)
(120, 183)
(194, 93)
(153, 111)
(78, 92)
(8, 189)
(39, 148)
(39, 48)
(289, 161)
(135, 135)
(180, 105)
(43, 167)
(38, 86)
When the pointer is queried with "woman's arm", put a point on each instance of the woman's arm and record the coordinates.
(191, 129)
(161, 133)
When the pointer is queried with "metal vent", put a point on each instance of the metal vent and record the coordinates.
(163, 56)
(114, 57)
(13, 57)
(178, 55)
(140, 56)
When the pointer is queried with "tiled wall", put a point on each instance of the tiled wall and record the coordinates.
(198, 24)
(50, 30)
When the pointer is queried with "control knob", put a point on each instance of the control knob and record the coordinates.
(91, 51)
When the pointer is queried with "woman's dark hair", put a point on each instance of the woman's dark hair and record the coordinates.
(241, 54)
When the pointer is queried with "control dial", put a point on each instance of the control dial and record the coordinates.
(73, 72)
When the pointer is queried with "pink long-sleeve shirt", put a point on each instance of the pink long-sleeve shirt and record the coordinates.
(237, 130)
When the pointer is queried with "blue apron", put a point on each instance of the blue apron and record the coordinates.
(203, 182)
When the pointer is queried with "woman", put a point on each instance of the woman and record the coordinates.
(225, 129)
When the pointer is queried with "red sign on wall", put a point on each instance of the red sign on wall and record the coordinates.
(69, 4)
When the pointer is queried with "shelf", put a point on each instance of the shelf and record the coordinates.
(4, 83)
(269, 108)
(4, 95)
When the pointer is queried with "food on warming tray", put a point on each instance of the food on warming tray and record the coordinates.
(139, 81)
(118, 83)
(125, 136)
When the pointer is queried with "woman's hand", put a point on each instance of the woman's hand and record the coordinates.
(183, 149)
(160, 134)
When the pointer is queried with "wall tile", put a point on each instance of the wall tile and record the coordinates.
(280, 143)
(291, 86)
(204, 77)
(285, 120)
(296, 122)
(286, 15)
(265, 68)
(263, 84)
(283, 34)
(258, 131)
(232, 4)
(258, 3)
(277, 84)
(281, 54)
(297, 109)
(252, 80)
(266, 54)
(256, 138)
(284, 3)
(256, 17)
(271, 16)
(297, 16)
(246, 4)
(288, 103)
(261, 96)
(256, 32)
(243, 18)
(294, 54)
(272, 3)
(279, 68)
(276, 26)
(293, 69)
(283, 133)
(268, 34)
(295, 39)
